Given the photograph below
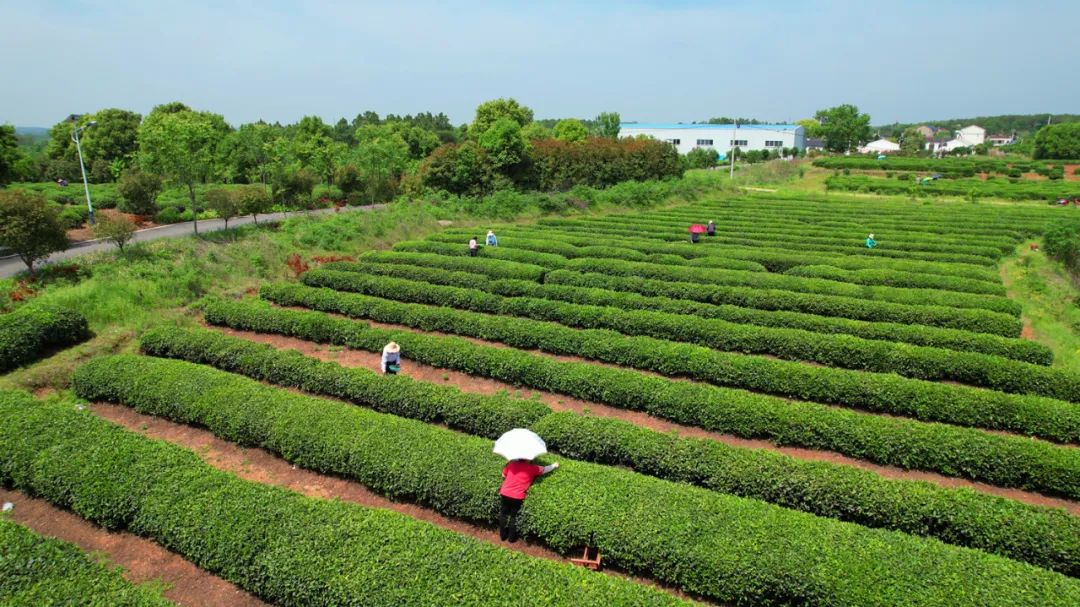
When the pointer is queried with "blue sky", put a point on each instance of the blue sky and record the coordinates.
(680, 60)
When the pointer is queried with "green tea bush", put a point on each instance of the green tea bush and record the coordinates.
(763, 280)
(876, 392)
(582, 503)
(795, 344)
(981, 321)
(952, 339)
(32, 330)
(961, 517)
(278, 545)
(38, 570)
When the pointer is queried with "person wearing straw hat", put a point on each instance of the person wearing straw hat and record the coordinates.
(520, 447)
(870, 242)
(491, 240)
(710, 228)
(391, 358)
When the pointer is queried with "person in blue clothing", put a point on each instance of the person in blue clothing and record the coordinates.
(391, 359)
(870, 242)
(491, 240)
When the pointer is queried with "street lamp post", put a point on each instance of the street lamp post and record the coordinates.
(78, 146)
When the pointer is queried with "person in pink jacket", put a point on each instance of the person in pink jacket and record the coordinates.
(518, 476)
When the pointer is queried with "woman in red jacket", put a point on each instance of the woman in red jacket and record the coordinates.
(518, 476)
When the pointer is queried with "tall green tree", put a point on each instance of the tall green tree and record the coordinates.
(812, 127)
(9, 154)
(380, 157)
(843, 127)
(30, 227)
(570, 129)
(911, 141)
(115, 137)
(504, 144)
(1058, 141)
(607, 125)
(535, 131)
(181, 146)
(490, 112)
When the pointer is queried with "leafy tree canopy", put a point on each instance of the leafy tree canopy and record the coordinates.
(1058, 141)
(607, 125)
(29, 226)
(843, 127)
(489, 112)
(504, 143)
(570, 130)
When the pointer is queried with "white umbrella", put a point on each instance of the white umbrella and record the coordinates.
(520, 443)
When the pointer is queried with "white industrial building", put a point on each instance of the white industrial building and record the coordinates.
(720, 137)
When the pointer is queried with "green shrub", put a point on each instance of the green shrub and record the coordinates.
(876, 392)
(1062, 242)
(488, 267)
(795, 344)
(983, 321)
(962, 517)
(139, 192)
(583, 503)
(38, 570)
(280, 546)
(952, 339)
(763, 280)
(32, 330)
(74, 216)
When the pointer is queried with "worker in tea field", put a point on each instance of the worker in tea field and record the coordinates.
(491, 240)
(391, 358)
(472, 247)
(711, 228)
(518, 476)
(870, 242)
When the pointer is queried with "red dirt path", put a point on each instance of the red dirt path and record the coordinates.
(370, 360)
(142, 559)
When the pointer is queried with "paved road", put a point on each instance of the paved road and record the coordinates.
(11, 265)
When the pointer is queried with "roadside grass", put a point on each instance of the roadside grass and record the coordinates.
(1050, 300)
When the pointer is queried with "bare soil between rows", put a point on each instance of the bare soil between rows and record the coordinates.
(142, 559)
(261, 466)
(468, 383)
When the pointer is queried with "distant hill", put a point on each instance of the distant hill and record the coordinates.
(1021, 124)
(32, 131)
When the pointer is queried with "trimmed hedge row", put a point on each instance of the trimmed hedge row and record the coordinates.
(956, 516)
(489, 267)
(39, 570)
(974, 279)
(834, 350)
(966, 319)
(764, 280)
(32, 330)
(852, 245)
(548, 260)
(875, 392)
(1000, 188)
(800, 244)
(906, 238)
(739, 550)
(774, 259)
(893, 278)
(400, 395)
(952, 339)
(281, 546)
(955, 218)
(812, 226)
